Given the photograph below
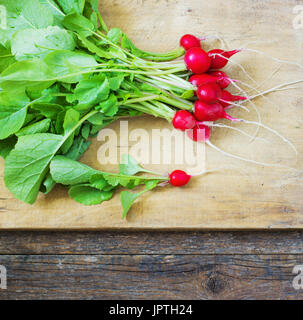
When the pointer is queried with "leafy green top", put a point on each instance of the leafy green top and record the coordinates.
(63, 77)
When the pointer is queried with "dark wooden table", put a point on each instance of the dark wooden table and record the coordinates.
(146, 265)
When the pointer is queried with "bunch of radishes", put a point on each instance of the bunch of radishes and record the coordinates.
(57, 96)
(210, 84)
(213, 99)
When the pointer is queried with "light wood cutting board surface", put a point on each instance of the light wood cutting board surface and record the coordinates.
(239, 195)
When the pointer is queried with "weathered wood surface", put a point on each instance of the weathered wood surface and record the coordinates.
(161, 265)
(241, 196)
(151, 277)
(150, 243)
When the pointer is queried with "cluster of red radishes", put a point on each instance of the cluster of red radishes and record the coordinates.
(213, 99)
(209, 83)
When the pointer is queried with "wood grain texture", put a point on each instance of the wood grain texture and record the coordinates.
(240, 196)
(145, 265)
(151, 277)
(148, 243)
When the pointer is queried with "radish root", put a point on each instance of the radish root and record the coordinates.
(271, 130)
(297, 64)
(221, 125)
(245, 159)
(277, 88)
(254, 107)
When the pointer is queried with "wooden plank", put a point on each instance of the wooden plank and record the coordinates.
(146, 243)
(151, 277)
(240, 196)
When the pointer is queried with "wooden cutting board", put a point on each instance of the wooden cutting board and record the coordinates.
(239, 195)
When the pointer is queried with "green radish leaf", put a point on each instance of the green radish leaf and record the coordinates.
(98, 119)
(69, 6)
(90, 92)
(134, 113)
(70, 172)
(11, 120)
(94, 19)
(29, 71)
(35, 15)
(30, 118)
(114, 35)
(42, 91)
(93, 48)
(78, 148)
(126, 43)
(13, 111)
(48, 110)
(127, 200)
(71, 120)
(48, 184)
(97, 181)
(38, 127)
(116, 81)
(129, 182)
(116, 53)
(38, 91)
(27, 165)
(59, 122)
(7, 145)
(85, 131)
(79, 24)
(37, 43)
(52, 95)
(6, 58)
(116, 180)
(124, 95)
(130, 166)
(151, 184)
(56, 11)
(89, 196)
(94, 5)
(109, 107)
(23, 14)
(64, 63)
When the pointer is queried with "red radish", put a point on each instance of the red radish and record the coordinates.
(197, 60)
(199, 133)
(209, 92)
(227, 98)
(179, 178)
(219, 58)
(184, 120)
(189, 41)
(200, 79)
(222, 78)
(210, 111)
